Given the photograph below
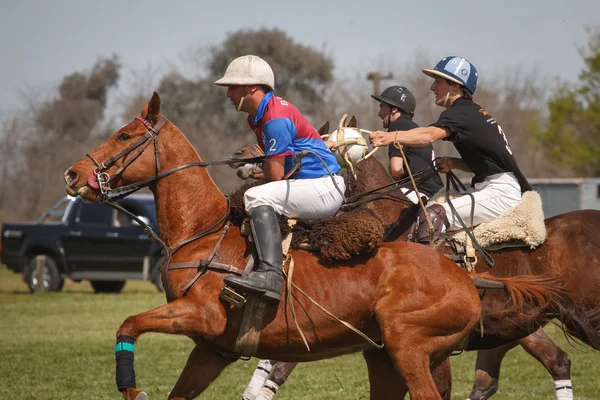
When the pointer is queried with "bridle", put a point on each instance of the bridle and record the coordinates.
(100, 179)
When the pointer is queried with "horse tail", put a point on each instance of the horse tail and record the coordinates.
(545, 298)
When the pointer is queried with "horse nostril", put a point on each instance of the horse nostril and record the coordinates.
(70, 177)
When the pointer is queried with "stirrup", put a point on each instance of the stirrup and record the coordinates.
(232, 297)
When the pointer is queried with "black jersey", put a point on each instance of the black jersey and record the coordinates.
(480, 141)
(428, 182)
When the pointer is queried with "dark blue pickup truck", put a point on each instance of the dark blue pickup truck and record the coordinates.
(88, 241)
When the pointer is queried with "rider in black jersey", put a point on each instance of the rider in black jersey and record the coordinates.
(497, 184)
(396, 109)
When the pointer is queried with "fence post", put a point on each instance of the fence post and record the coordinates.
(40, 263)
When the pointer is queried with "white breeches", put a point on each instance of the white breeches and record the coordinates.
(298, 198)
(493, 197)
(412, 196)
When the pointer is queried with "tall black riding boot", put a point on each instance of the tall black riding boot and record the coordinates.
(267, 277)
(437, 214)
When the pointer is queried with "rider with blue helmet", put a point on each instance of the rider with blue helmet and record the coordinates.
(497, 184)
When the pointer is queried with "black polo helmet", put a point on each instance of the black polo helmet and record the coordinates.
(400, 97)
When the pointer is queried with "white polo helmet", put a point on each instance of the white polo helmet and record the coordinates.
(248, 70)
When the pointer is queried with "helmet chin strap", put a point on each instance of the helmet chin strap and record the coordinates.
(239, 106)
(448, 95)
(389, 117)
(446, 98)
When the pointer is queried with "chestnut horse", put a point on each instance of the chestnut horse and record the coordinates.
(420, 305)
(575, 230)
(371, 176)
(371, 190)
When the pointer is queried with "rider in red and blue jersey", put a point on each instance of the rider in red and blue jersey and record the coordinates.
(311, 191)
(282, 131)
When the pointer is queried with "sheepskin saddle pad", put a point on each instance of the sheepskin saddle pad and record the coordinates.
(521, 226)
(337, 238)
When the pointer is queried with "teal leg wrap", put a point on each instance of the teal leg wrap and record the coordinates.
(124, 359)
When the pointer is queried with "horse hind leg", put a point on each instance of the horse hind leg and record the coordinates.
(540, 346)
(383, 377)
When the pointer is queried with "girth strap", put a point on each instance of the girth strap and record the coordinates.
(203, 265)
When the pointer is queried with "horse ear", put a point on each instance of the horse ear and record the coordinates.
(352, 123)
(152, 110)
(324, 130)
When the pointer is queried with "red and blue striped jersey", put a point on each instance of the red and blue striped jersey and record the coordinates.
(282, 131)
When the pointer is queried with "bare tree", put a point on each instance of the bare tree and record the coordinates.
(49, 136)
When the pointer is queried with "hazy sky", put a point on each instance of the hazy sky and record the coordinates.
(44, 40)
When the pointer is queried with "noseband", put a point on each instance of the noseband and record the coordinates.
(100, 179)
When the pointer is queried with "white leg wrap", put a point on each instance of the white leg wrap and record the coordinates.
(268, 391)
(261, 373)
(564, 389)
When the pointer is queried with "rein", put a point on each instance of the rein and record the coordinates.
(453, 180)
(109, 196)
(374, 194)
(103, 178)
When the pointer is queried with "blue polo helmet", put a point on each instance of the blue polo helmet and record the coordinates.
(455, 69)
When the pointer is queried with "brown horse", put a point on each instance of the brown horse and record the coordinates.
(371, 175)
(417, 303)
(584, 275)
(577, 231)
(397, 214)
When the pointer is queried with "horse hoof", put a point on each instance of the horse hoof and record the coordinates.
(142, 396)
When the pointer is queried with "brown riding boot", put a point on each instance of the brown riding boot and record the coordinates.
(437, 214)
(267, 279)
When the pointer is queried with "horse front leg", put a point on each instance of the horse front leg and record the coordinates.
(261, 388)
(259, 377)
(281, 373)
(384, 381)
(181, 316)
(442, 376)
(487, 371)
(203, 366)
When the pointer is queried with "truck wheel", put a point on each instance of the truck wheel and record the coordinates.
(52, 279)
(155, 275)
(108, 286)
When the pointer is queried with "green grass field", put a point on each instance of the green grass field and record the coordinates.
(60, 346)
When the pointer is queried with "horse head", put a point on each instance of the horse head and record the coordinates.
(122, 158)
(138, 155)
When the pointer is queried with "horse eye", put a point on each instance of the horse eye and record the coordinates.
(124, 136)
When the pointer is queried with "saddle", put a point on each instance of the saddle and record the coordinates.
(521, 226)
(336, 238)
